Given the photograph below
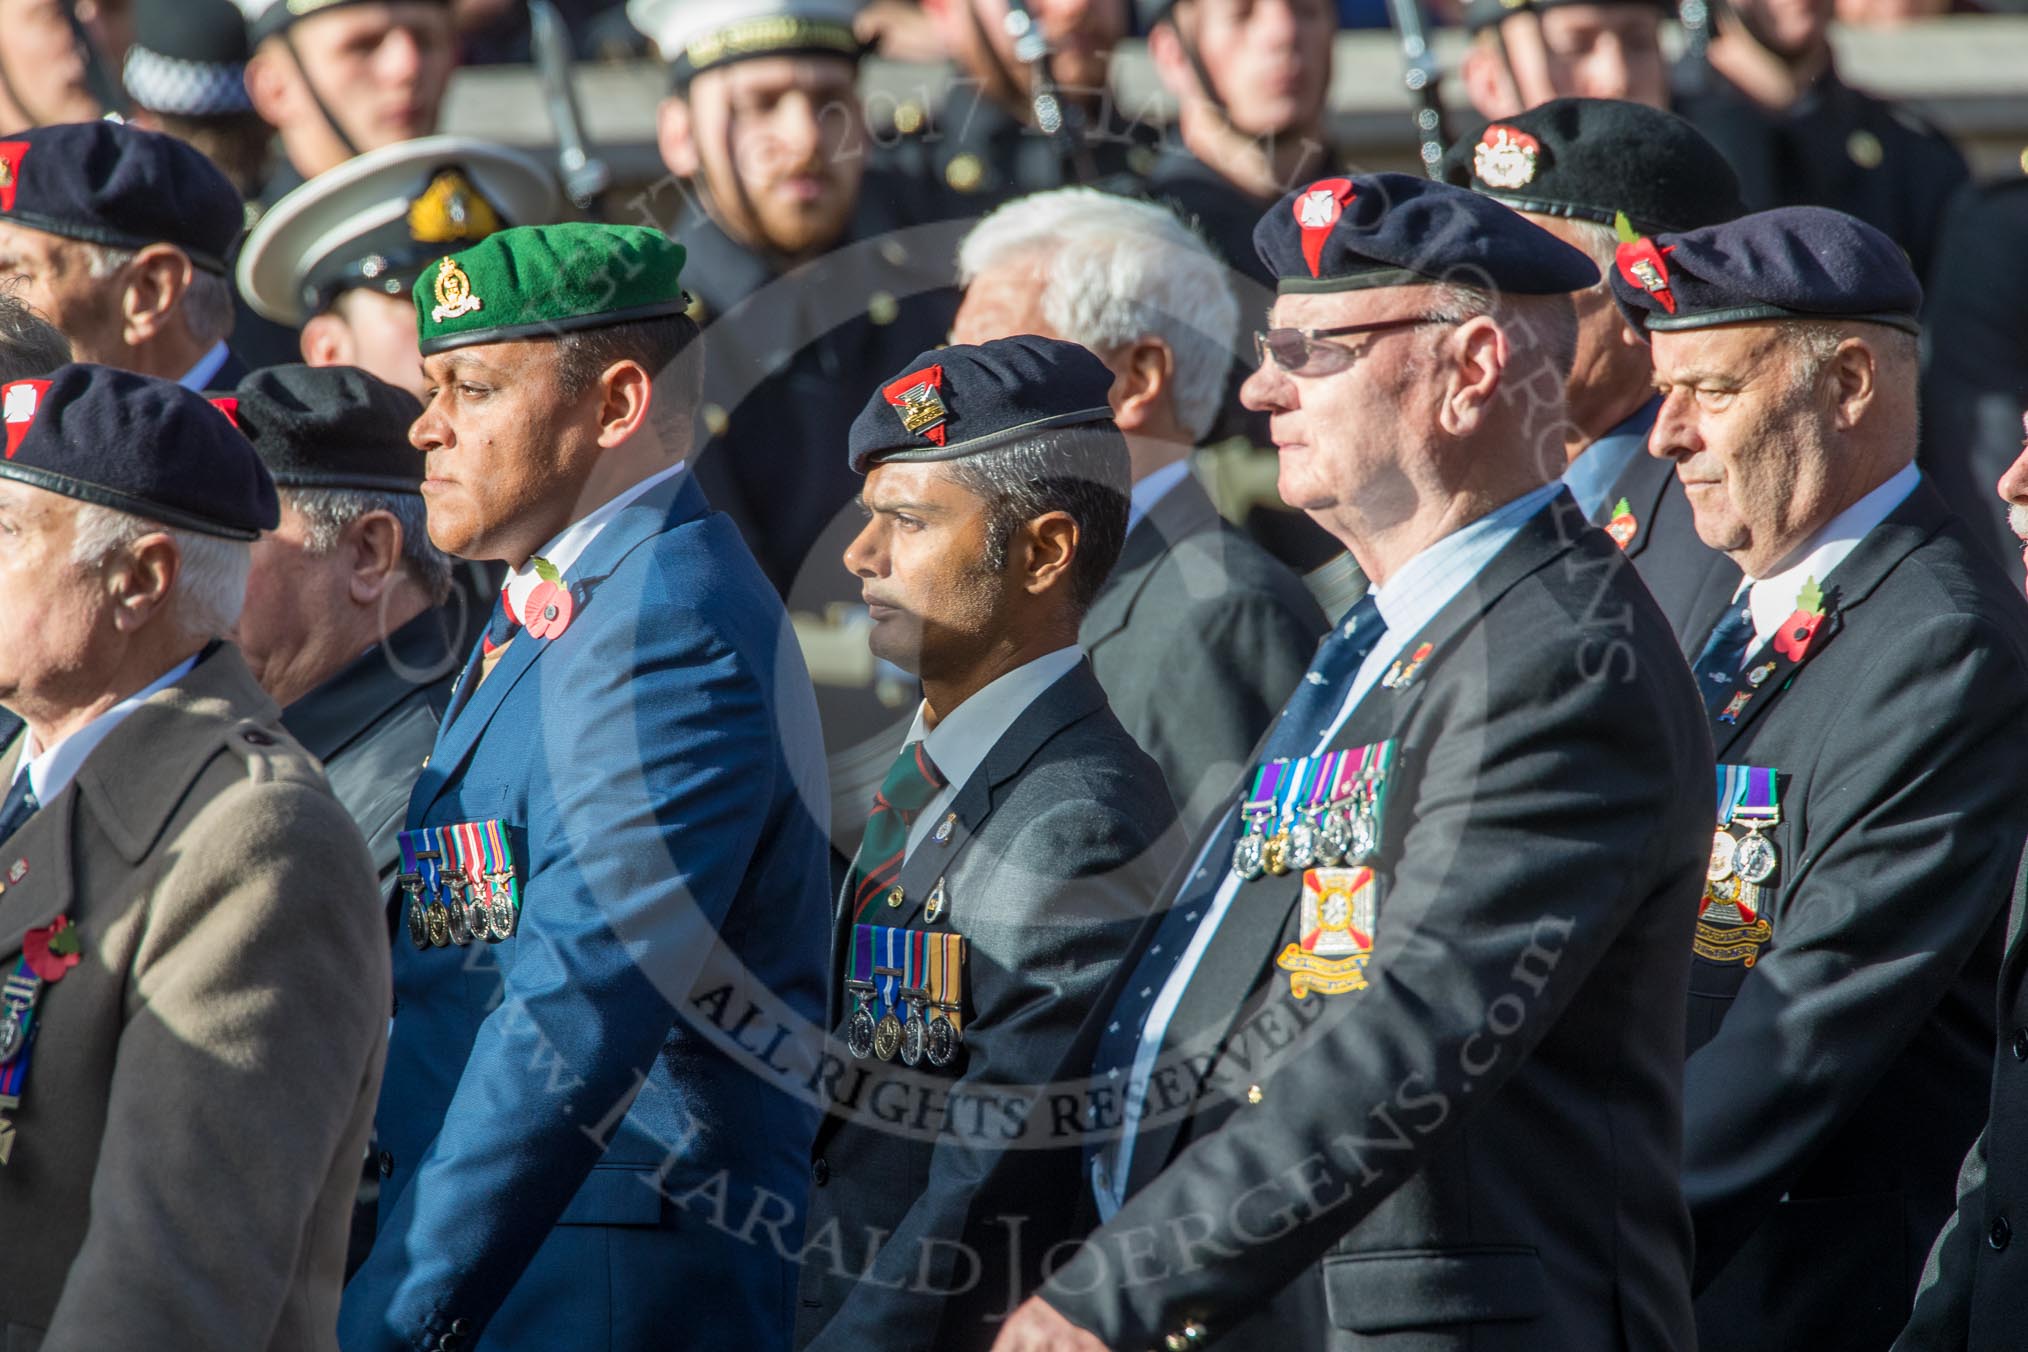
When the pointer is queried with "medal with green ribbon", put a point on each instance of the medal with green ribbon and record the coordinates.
(1249, 856)
(859, 1027)
(47, 955)
(915, 992)
(503, 890)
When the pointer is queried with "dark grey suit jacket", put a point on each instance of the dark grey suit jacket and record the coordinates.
(1687, 576)
(1834, 1086)
(1480, 1149)
(374, 722)
(1198, 637)
(1974, 1291)
(918, 1239)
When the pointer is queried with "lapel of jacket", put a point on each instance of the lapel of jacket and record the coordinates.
(667, 506)
(1183, 511)
(174, 735)
(1246, 942)
(1919, 516)
(1643, 483)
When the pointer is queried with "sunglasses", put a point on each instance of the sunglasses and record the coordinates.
(1297, 350)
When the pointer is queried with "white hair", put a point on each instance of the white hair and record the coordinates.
(1115, 270)
(211, 584)
(207, 303)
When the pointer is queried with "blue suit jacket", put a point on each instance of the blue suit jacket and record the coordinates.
(577, 1124)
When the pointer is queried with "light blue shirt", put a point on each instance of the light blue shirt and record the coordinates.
(1599, 466)
(1151, 489)
(199, 376)
(1408, 601)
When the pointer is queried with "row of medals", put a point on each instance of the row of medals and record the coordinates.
(912, 1039)
(1751, 859)
(1327, 836)
(20, 996)
(469, 915)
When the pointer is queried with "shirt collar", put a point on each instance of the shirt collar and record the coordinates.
(1426, 583)
(1598, 467)
(199, 376)
(51, 771)
(959, 743)
(1151, 488)
(571, 543)
(1773, 598)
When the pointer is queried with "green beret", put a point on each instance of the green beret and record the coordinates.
(539, 281)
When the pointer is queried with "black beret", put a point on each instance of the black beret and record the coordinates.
(115, 185)
(1348, 234)
(959, 400)
(1789, 263)
(138, 445)
(188, 58)
(1591, 159)
(331, 427)
(1482, 14)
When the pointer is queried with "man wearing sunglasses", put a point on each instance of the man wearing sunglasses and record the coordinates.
(1433, 951)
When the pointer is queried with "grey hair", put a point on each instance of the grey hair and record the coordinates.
(1548, 324)
(1600, 243)
(207, 303)
(1115, 270)
(326, 512)
(211, 584)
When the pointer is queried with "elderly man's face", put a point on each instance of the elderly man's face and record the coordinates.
(1747, 432)
(294, 598)
(506, 452)
(1346, 426)
(924, 574)
(53, 612)
(53, 275)
(1269, 59)
(782, 146)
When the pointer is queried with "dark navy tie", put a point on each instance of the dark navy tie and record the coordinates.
(18, 806)
(1304, 720)
(1717, 666)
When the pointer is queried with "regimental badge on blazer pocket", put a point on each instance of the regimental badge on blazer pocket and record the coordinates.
(460, 883)
(908, 995)
(1735, 917)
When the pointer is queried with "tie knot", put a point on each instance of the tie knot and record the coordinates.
(911, 781)
(500, 627)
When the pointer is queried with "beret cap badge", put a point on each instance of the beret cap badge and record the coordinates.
(454, 292)
(918, 399)
(1317, 209)
(17, 406)
(11, 155)
(1640, 262)
(1506, 158)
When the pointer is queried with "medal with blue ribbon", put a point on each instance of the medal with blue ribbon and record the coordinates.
(887, 981)
(429, 863)
(451, 876)
(1306, 831)
(1732, 923)
(411, 884)
(47, 954)
(859, 1027)
(915, 992)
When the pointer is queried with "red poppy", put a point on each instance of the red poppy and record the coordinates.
(52, 950)
(548, 611)
(1792, 640)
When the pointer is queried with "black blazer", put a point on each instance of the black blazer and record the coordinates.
(1974, 1293)
(1198, 637)
(920, 1240)
(1480, 1149)
(1687, 576)
(1834, 1085)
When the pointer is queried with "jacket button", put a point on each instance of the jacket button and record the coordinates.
(386, 1164)
(2000, 1233)
(2021, 1044)
(461, 1327)
(255, 737)
(820, 1171)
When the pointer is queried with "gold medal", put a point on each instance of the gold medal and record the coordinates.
(887, 1037)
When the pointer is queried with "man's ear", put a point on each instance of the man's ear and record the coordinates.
(1049, 546)
(1475, 358)
(372, 545)
(271, 85)
(326, 340)
(140, 579)
(675, 137)
(1143, 373)
(1855, 381)
(626, 392)
(156, 282)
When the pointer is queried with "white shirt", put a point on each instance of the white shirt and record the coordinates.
(959, 743)
(1773, 598)
(571, 543)
(51, 770)
(1408, 601)
(199, 376)
(1151, 488)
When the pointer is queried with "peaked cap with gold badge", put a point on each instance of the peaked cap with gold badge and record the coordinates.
(547, 280)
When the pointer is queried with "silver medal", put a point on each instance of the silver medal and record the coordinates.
(1755, 857)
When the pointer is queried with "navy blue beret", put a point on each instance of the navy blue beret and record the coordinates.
(115, 185)
(139, 445)
(1348, 234)
(1592, 159)
(957, 401)
(331, 427)
(1789, 263)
